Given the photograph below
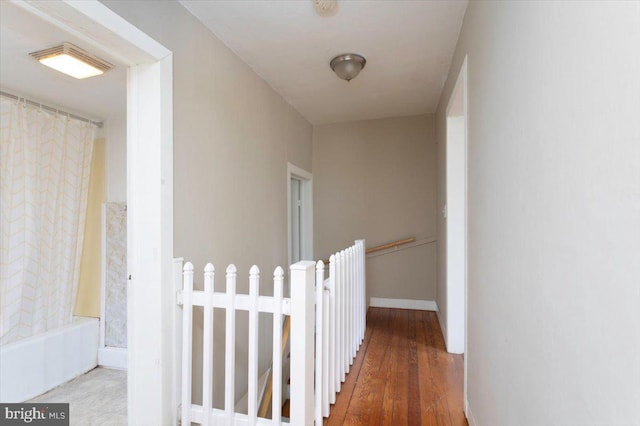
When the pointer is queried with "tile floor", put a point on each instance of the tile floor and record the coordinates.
(97, 398)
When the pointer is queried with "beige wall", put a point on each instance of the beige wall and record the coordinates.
(89, 286)
(554, 211)
(376, 179)
(233, 137)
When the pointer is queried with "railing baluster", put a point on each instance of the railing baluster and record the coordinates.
(363, 287)
(361, 291)
(355, 311)
(340, 324)
(319, 366)
(349, 306)
(187, 341)
(254, 291)
(345, 315)
(347, 288)
(356, 295)
(333, 368)
(178, 314)
(325, 350)
(276, 402)
(230, 346)
(360, 294)
(207, 355)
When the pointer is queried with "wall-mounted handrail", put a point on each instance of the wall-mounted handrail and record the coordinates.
(394, 244)
(396, 249)
(390, 245)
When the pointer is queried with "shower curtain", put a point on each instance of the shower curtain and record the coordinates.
(44, 176)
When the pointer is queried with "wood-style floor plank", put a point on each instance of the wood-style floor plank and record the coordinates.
(400, 395)
(382, 340)
(428, 392)
(402, 375)
(436, 350)
(339, 409)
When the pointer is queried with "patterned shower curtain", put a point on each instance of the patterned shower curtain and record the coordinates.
(44, 162)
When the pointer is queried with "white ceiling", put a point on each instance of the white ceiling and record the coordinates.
(408, 46)
(99, 98)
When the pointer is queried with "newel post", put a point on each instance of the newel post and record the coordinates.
(302, 339)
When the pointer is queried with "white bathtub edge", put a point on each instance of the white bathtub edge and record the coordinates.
(38, 364)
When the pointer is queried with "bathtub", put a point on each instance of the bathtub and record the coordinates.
(37, 364)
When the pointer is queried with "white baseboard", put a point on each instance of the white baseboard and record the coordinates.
(467, 412)
(420, 305)
(112, 357)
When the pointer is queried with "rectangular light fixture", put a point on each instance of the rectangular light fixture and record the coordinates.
(71, 60)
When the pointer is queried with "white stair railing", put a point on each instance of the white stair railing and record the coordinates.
(300, 307)
(340, 322)
(335, 306)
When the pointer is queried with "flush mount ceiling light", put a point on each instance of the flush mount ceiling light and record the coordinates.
(348, 65)
(71, 60)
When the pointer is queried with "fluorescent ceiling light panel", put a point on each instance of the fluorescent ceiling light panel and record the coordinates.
(72, 60)
(71, 66)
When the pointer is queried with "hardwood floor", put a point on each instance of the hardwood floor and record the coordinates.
(402, 375)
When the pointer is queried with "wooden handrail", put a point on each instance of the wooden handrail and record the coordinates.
(268, 393)
(390, 245)
(383, 247)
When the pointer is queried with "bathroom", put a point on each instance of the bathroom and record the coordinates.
(63, 307)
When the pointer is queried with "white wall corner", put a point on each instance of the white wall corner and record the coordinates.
(112, 357)
(442, 322)
(467, 412)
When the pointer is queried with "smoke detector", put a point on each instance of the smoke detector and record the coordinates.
(326, 7)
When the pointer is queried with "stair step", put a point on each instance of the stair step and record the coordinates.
(286, 409)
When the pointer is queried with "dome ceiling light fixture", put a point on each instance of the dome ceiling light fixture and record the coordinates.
(348, 65)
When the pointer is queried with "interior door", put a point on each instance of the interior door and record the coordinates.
(296, 213)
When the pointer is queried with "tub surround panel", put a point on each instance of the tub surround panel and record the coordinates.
(115, 315)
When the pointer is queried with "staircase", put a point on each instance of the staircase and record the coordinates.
(265, 403)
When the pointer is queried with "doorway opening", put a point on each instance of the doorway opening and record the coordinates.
(300, 214)
(152, 337)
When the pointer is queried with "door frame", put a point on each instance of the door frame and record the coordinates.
(457, 233)
(306, 214)
(152, 391)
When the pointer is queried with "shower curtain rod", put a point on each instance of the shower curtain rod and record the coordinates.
(49, 108)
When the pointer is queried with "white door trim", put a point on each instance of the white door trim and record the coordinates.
(306, 218)
(151, 314)
(457, 149)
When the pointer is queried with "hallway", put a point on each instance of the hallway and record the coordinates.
(402, 374)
